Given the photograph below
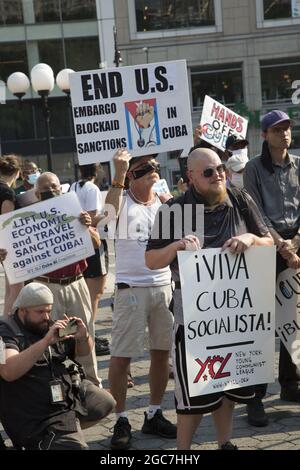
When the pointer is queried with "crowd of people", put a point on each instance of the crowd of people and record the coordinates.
(57, 366)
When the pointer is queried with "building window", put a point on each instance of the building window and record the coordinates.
(280, 9)
(82, 53)
(51, 53)
(224, 84)
(12, 57)
(153, 15)
(16, 122)
(277, 9)
(59, 118)
(78, 10)
(65, 10)
(11, 12)
(272, 13)
(47, 11)
(277, 78)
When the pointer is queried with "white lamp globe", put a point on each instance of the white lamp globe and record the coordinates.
(42, 79)
(42, 66)
(18, 82)
(63, 80)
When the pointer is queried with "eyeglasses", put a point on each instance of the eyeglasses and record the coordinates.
(208, 172)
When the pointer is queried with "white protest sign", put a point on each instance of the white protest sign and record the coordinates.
(44, 237)
(219, 122)
(229, 317)
(161, 187)
(145, 108)
(288, 311)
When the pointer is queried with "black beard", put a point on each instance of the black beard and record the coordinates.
(37, 329)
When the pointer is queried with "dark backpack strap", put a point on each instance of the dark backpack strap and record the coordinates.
(241, 199)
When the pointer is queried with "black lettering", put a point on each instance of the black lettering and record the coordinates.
(191, 329)
(142, 81)
(246, 296)
(172, 112)
(100, 86)
(115, 84)
(86, 86)
(163, 84)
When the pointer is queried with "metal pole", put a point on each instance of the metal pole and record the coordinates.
(46, 112)
(118, 57)
(67, 92)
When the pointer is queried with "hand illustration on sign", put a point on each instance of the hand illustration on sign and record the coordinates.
(143, 115)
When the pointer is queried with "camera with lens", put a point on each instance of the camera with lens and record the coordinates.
(76, 374)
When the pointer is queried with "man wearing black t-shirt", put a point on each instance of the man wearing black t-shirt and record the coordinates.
(226, 226)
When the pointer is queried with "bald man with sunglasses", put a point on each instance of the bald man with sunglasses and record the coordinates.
(224, 226)
(142, 296)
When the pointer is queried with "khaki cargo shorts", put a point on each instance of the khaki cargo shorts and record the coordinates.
(135, 308)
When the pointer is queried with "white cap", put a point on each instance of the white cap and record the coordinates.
(32, 295)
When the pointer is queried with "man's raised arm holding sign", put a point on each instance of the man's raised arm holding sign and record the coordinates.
(136, 296)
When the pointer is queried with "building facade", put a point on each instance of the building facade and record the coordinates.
(244, 53)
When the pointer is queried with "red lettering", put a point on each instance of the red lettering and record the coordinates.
(240, 125)
(202, 368)
(228, 118)
(219, 374)
(215, 110)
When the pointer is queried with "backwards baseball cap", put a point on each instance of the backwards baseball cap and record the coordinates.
(32, 295)
(273, 118)
(234, 140)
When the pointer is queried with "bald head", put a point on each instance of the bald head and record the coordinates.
(207, 175)
(202, 157)
(47, 184)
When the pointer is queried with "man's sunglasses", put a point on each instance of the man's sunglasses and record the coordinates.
(144, 169)
(208, 172)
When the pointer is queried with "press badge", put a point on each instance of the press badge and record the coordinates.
(2, 351)
(57, 391)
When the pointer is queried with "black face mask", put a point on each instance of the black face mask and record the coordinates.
(49, 195)
(148, 168)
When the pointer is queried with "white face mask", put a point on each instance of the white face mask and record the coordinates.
(240, 153)
(33, 178)
(237, 180)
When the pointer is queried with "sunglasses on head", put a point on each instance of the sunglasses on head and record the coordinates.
(208, 172)
(144, 169)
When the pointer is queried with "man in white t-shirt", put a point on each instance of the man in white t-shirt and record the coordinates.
(142, 296)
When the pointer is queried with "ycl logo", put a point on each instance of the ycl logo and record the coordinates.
(215, 366)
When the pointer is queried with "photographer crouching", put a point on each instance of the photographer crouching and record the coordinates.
(44, 402)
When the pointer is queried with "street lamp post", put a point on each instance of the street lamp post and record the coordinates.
(146, 50)
(118, 59)
(63, 82)
(42, 81)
